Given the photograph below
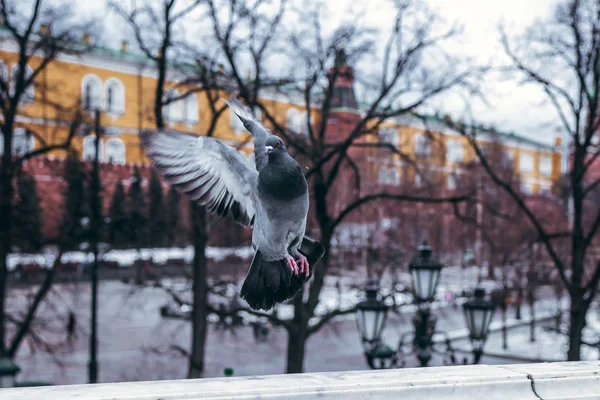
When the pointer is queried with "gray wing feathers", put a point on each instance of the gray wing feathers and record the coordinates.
(259, 132)
(207, 171)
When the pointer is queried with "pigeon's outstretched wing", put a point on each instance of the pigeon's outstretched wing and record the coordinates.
(259, 132)
(209, 172)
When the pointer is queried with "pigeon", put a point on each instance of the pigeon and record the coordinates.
(271, 196)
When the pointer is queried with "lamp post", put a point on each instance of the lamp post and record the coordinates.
(8, 371)
(425, 271)
(371, 316)
(478, 312)
(96, 222)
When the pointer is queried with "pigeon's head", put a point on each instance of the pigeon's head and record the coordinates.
(274, 146)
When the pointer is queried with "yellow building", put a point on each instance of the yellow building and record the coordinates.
(122, 85)
(429, 142)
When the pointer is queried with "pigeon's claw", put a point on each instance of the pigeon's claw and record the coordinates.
(292, 264)
(303, 265)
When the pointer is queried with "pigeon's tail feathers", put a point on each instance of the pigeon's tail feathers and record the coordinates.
(269, 282)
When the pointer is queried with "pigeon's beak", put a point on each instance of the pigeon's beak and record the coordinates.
(268, 149)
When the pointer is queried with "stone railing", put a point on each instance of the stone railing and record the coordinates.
(575, 380)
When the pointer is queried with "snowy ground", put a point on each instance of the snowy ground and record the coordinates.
(135, 343)
(127, 257)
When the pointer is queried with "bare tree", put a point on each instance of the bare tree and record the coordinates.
(40, 34)
(561, 56)
(403, 82)
(194, 72)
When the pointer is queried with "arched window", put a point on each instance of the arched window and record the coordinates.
(454, 151)
(190, 109)
(89, 148)
(172, 110)
(257, 113)
(293, 120)
(23, 142)
(91, 92)
(451, 182)
(389, 175)
(304, 119)
(115, 96)
(389, 135)
(115, 151)
(422, 145)
(526, 162)
(29, 93)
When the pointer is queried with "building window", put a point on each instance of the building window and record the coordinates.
(23, 142)
(190, 109)
(28, 95)
(172, 110)
(89, 148)
(389, 136)
(91, 92)
(115, 96)
(422, 145)
(115, 151)
(292, 120)
(451, 182)
(454, 151)
(526, 189)
(546, 166)
(257, 113)
(303, 120)
(389, 176)
(526, 162)
(545, 188)
(418, 180)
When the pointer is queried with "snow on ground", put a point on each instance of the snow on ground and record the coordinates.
(126, 257)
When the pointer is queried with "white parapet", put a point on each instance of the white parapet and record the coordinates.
(564, 380)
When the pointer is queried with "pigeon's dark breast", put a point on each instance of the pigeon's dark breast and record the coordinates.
(282, 181)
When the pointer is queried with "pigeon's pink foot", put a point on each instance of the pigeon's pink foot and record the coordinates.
(292, 264)
(303, 264)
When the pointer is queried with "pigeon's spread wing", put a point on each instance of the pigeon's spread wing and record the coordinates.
(259, 132)
(209, 172)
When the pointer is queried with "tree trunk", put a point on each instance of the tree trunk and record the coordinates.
(532, 322)
(578, 313)
(6, 195)
(504, 329)
(199, 323)
(296, 349)
(297, 335)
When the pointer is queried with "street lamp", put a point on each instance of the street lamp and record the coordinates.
(371, 315)
(479, 312)
(425, 273)
(381, 357)
(8, 370)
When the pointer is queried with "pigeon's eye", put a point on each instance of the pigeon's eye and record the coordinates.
(278, 144)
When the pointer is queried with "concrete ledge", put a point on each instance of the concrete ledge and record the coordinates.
(575, 380)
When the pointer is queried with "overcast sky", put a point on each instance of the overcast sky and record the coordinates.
(523, 110)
